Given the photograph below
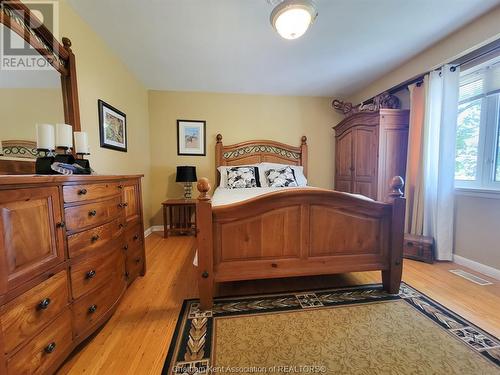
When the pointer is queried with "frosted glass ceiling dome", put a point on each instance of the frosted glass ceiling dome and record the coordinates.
(292, 18)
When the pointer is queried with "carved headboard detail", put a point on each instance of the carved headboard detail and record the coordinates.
(258, 151)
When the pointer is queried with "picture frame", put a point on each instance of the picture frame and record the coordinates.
(112, 127)
(191, 137)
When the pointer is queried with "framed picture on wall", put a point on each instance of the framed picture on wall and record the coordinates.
(191, 137)
(112, 127)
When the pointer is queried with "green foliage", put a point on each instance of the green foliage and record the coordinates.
(467, 142)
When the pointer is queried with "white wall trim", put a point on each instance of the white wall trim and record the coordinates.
(476, 266)
(154, 228)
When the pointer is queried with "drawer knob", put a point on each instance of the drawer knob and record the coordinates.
(92, 309)
(62, 224)
(92, 213)
(82, 191)
(121, 226)
(90, 274)
(136, 237)
(44, 303)
(95, 237)
(125, 247)
(50, 348)
(137, 260)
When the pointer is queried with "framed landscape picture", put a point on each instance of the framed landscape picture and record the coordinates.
(191, 138)
(112, 127)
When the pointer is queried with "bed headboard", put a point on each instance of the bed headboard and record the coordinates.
(252, 152)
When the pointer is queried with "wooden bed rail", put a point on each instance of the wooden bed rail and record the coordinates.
(299, 232)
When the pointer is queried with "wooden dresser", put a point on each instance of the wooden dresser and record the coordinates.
(370, 149)
(69, 246)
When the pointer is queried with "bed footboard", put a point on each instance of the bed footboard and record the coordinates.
(299, 232)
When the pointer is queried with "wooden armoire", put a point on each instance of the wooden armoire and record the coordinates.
(370, 149)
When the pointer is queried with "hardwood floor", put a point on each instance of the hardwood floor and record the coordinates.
(136, 338)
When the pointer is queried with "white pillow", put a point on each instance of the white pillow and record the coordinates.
(298, 171)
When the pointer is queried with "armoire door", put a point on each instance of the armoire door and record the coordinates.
(344, 162)
(365, 146)
(31, 233)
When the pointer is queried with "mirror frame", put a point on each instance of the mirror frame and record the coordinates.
(16, 16)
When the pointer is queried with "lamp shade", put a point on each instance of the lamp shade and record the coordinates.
(186, 174)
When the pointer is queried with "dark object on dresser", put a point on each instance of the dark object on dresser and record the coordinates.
(419, 248)
(370, 149)
(179, 217)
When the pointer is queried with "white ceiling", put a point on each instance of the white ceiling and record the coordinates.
(230, 46)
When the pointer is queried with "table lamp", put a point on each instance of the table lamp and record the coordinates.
(187, 175)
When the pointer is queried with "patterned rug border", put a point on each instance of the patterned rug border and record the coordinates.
(196, 338)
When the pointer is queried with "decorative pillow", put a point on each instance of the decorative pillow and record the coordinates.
(283, 177)
(298, 172)
(242, 177)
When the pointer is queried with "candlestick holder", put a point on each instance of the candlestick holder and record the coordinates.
(43, 163)
(66, 157)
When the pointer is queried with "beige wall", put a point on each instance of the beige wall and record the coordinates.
(101, 75)
(238, 118)
(21, 109)
(476, 229)
(479, 32)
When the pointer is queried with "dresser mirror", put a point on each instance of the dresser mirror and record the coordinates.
(37, 85)
(27, 97)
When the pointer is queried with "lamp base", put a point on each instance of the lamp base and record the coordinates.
(188, 187)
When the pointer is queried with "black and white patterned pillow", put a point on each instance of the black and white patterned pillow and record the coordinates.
(284, 177)
(242, 177)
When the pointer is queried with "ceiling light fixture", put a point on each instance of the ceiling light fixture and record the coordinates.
(292, 18)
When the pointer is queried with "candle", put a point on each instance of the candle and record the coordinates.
(64, 135)
(45, 137)
(81, 143)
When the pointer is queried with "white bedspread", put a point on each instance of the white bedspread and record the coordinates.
(224, 196)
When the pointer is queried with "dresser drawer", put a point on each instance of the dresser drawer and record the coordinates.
(95, 271)
(92, 214)
(85, 192)
(134, 234)
(135, 261)
(26, 314)
(95, 238)
(46, 350)
(89, 309)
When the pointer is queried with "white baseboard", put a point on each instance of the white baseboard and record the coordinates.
(476, 266)
(154, 228)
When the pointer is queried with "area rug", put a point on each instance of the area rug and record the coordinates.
(359, 330)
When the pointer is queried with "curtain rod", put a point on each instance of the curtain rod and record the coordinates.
(468, 58)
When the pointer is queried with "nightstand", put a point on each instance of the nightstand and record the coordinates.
(179, 217)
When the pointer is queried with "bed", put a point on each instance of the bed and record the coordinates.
(287, 232)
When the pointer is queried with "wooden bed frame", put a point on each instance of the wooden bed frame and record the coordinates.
(297, 232)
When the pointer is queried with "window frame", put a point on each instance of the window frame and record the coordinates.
(488, 145)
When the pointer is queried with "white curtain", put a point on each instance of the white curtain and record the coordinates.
(440, 122)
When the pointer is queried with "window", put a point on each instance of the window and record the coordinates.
(477, 164)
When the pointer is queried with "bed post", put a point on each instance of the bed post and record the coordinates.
(218, 158)
(205, 245)
(391, 278)
(303, 153)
